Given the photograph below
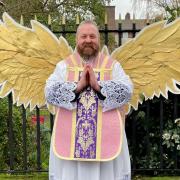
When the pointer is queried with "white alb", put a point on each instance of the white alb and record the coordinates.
(117, 92)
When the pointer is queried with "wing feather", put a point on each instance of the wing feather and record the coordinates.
(152, 60)
(27, 58)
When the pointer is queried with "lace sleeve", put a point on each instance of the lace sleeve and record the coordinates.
(58, 91)
(117, 91)
(61, 94)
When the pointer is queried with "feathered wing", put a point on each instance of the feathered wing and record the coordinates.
(27, 58)
(152, 60)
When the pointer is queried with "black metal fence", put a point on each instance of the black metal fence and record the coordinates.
(144, 129)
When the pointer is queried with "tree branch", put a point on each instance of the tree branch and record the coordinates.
(2, 4)
(63, 2)
(45, 3)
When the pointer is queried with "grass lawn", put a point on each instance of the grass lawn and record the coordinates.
(158, 178)
(45, 177)
(24, 177)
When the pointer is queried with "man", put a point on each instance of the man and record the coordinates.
(83, 85)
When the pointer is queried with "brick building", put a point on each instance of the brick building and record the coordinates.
(126, 23)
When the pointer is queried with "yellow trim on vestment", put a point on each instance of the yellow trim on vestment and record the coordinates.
(73, 60)
(104, 62)
(94, 69)
(99, 124)
(54, 132)
(99, 55)
(99, 130)
(121, 136)
(74, 120)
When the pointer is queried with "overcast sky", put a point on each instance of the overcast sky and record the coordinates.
(123, 6)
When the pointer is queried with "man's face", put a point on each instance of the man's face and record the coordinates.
(87, 41)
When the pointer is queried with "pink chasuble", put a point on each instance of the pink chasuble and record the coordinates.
(86, 133)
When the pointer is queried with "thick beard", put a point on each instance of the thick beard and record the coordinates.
(87, 55)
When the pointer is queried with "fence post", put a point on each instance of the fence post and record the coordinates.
(134, 123)
(120, 31)
(147, 129)
(51, 122)
(106, 31)
(161, 131)
(51, 115)
(38, 139)
(63, 26)
(10, 132)
(134, 29)
(24, 138)
(134, 120)
(175, 115)
(120, 34)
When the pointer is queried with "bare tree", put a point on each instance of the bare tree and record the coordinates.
(153, 7)
(2, 4)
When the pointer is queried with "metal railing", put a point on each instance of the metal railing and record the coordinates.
(133, 128)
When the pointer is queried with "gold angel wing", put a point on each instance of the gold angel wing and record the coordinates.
(152, 60)
(27, 58)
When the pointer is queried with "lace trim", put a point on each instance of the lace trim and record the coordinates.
(61, 94)
(126, 177)
(116, 93)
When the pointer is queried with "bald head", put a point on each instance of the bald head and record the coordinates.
(87, 39)
(88, 23)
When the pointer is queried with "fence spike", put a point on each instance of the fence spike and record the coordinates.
(35, 17)
(63, 20)
(77, 19)
(105, 20)
(49, 20)
(176, 15)
(60, 22)
(119, 17)
(134, 18)
(22, 20)
(147, 18)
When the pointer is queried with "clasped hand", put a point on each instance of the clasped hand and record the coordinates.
(87, 78)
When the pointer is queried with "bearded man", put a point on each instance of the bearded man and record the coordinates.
(89, 90)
